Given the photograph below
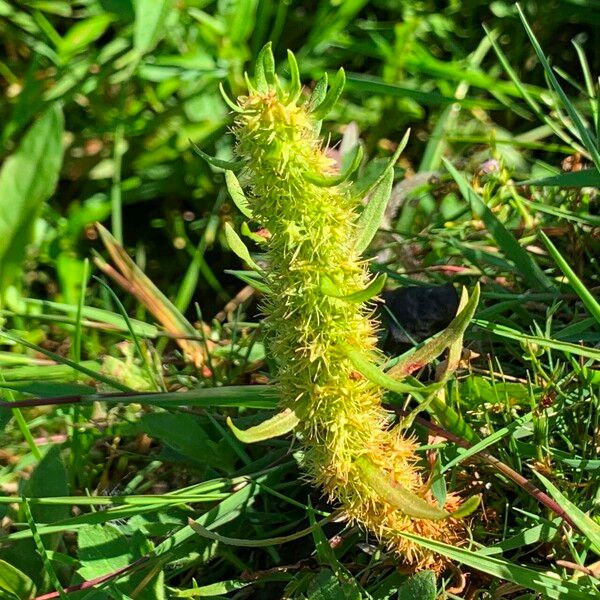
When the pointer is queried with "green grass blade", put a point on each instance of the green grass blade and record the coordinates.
(507, 242)
(590, 144)
(586, 296)
(550, 585)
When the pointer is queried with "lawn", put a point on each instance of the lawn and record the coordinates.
(299, 299)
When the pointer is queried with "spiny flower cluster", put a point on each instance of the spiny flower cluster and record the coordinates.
(313, 244)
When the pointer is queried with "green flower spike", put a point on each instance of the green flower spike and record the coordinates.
(318, 321)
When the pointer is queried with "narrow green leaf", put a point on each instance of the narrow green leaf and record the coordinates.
(337, 85)
(278, 425)
(237, 194)
(264, 70)
(239, 248)
(373, 373)
(80, 367)
(246, 231)
(522, 260)
(550, 585)
(28, 178)
(393, 493)
(269, 63)
(256, 280)
(227, 165)
(97, 314)
(537, 340)
(329, 288)
(295, 85)
(433, 347)
(238, 542)
(370, 219)
(212, 590)
(586, 296)
(149, 26)
(576, 179)
(232, 105)
(331, 180)
(585, 136)
(318, 93)
(587, 526)
(48, 389)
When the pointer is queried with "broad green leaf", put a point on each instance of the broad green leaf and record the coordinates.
(237, 194)
(421, 586)
(393, 493)
(278, 425)
(102, 549)
(14, 584)
(586, 296)
(587, 526)
(329, 288)
(550, 585)
(331, 180)
(49, 479)
(239, 248)
(576, 179)
(327, 586)
(27, 179)
(184, 435)
(83, 33)
(149, 26)
(507, 242)
(337, 85)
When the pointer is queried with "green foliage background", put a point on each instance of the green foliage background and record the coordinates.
(100, 103)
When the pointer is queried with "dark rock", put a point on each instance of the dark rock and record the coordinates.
(410, 315)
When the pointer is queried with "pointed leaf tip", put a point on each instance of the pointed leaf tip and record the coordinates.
(237, 194)
(278, 425)
(239, 248)
(295, 85)
(234, 166)
(333, 95)
(468, 507)
(399, 497)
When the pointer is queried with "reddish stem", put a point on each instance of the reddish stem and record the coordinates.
(521, 481)
(96, 581)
